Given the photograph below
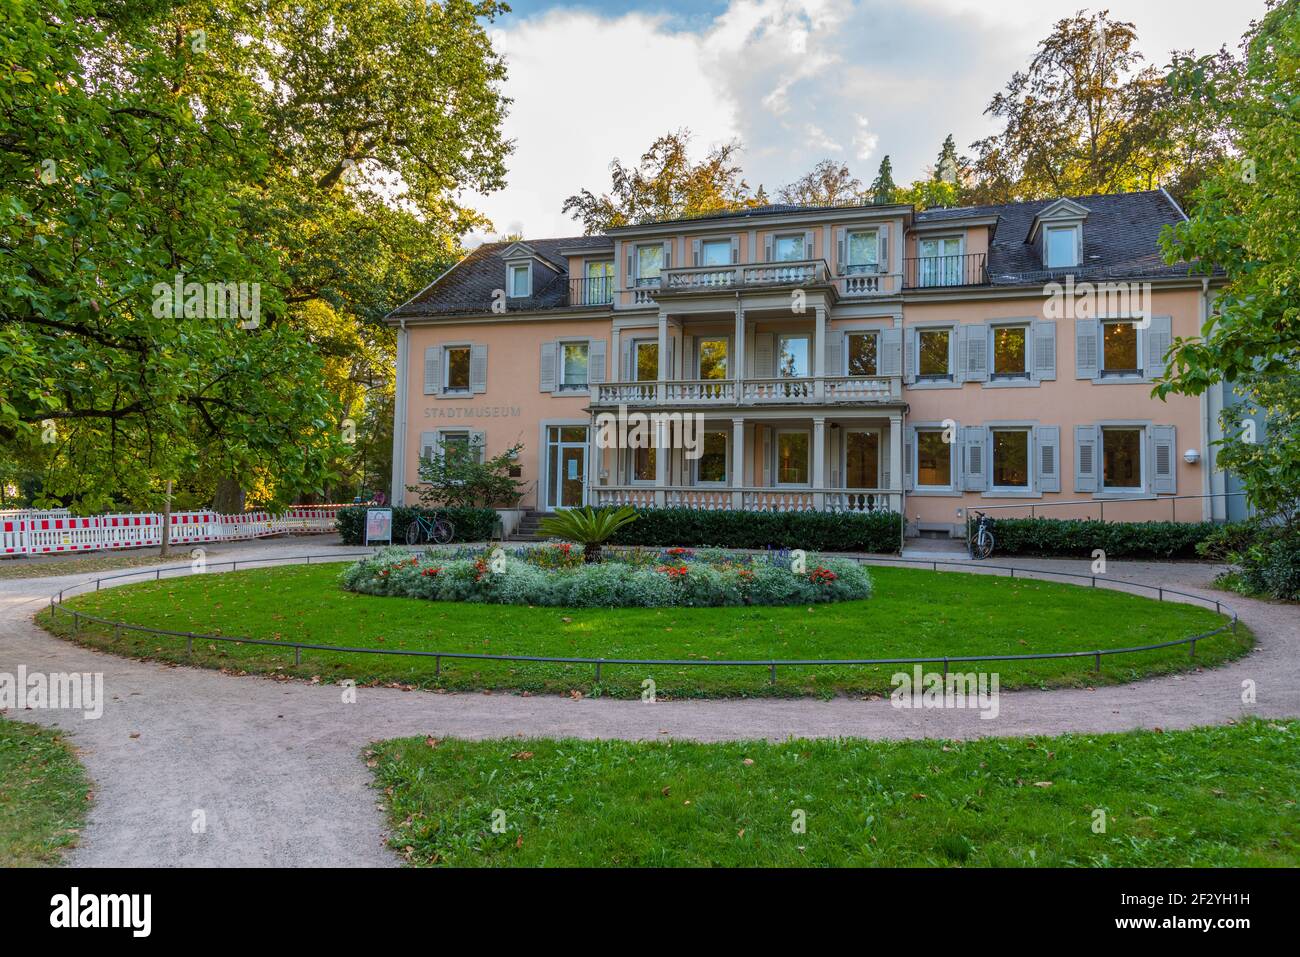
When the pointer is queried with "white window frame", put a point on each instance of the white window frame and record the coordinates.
(642, 281)
(1144, 479)
(776, 458)
(720, 337)
(861, 269)
(446, 369)
(560, 385)
(1139, 344)
(631, 466)
(589, 281)
(511, 270)
(636, 348)
(776, 241)
(776, 360)
(1029, 487)
(844, 359)
(960, 254)
(706, 242)
(726, 462)
(1026, 374)
(1075, 244)
(954, 450)
(951, 375)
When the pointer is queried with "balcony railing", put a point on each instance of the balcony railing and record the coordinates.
(750, 498)
(591, 291)
(925, 272)
(770, 390)
(704, 278)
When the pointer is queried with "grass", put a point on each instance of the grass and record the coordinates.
(44, 795)
(1223, 796)
(913, 613)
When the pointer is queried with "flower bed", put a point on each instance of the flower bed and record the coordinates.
(555, 575)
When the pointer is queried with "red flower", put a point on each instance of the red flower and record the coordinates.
(822, 576)
(430, 572)
(674, 572)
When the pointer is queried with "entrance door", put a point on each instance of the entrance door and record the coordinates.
(566, 468)
(862, 458)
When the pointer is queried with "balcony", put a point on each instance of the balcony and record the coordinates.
(767, 391)
(591, 291)
(751, 498)
(928, 272)
(802, 272)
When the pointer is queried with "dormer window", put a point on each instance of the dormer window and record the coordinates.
(519, 280)
(1062, 247)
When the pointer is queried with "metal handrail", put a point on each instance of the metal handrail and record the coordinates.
(56, 604)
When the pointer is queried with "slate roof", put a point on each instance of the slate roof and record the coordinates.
(1119, 238)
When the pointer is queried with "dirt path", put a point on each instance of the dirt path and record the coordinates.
(275, 768)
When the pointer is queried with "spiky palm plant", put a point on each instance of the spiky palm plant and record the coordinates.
(588, 527)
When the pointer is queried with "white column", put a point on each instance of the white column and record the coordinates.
(819, 352)
(591, 478)
(819, 462)
(896, 459)
(737, 463)
(662, 452)
(663, 355)
(738, 348)
(400, 386)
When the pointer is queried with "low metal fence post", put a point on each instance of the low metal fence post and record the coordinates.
(771, 678)
(1192, 649)
(297, 654)
(1097, 663)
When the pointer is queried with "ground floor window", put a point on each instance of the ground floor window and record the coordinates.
(862, 459)
(1121, 458)
(792, 458)
(643, 465)
(1011, 458)
(711, 466)
(933, 459)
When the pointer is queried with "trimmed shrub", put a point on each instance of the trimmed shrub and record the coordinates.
(820, 531)
(717, 579)
(469, 524)
(1077, 538)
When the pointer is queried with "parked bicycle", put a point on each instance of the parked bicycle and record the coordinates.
(981, 539)
(437, 530)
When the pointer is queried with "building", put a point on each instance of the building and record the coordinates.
(844, 358)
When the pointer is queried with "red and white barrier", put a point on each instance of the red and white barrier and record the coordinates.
(47, 533)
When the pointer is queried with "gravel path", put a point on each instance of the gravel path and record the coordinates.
(275, 767)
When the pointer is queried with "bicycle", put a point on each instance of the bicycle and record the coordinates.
(437, 529)
(981, 542)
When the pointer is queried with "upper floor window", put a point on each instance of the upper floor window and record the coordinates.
(1010, 458)
(713, 358)
(646, 358)
(573, 365)
(1061, 247)
(1010, 352)
(520, 280)
(862, 251)
(599, 287)
(934, 354)
(792, 357)
(715, 252)
(456, 371)
(789, 248)
(1119, 349)
(649, 264)
(940, 261)
(863, 353)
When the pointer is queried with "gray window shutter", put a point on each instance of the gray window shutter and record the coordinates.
(628, 347)
(735, 250)
(433, 370)
(631, 267)
(428, 445)
(882, 255)
(1044, 352)
(764, 355)
(882, 480)
(973, 352)
(1087, 464)
(909, 456)
(548, 367)
(1164, 461)
(767, 455)
(596, 360)
(695, 252)
(891, 351)
(767, 248)
(834, 364)
(690, 364)
(1159, 339)
(1047, 438)
(668, 255)
(478, 368)
(1087, 350)
(478, 441)
(974, 446)
(807, 244)
(841, 251)
(669, 367)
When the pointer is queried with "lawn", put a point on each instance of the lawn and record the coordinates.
(43, 796)
(1213, 797)
(912, 613)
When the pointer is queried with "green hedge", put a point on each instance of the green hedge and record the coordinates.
(1079, 537)
(470, 524)
(821, 531)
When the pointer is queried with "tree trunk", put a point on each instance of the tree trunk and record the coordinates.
(165, 548)
(591, 553)
(229, 496)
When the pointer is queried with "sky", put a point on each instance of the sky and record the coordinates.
(795, 81)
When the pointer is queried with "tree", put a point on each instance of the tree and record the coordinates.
(1085, 117)
(826, 183)
(1242, 225)
(664, 184)
(460, 477)
(883, 189)
(947, 168)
